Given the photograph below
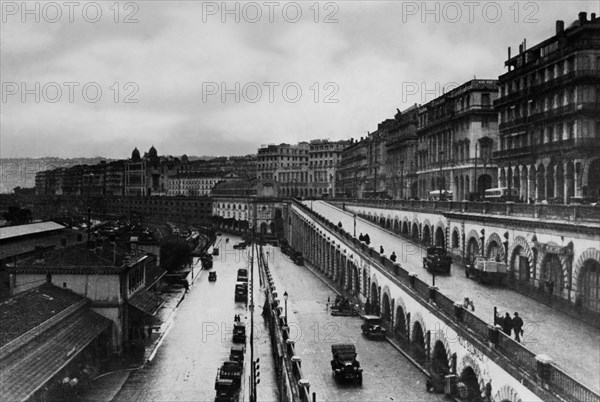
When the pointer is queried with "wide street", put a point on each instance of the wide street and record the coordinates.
(387, 375)
(185, 365)
(567, 340)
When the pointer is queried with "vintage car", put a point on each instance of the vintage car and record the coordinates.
(225, 390)
(236, 354)
(215, 251)
(344, 365)
(241, 291)
(437, 260)
(343, 307)
(372, 327)
(230, 371)
(486, 271)
(212, 276)
(239, 332)
(207, 261)
(242, 275)
(240, 246)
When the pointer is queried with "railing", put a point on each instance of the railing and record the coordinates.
(577, 213)
(555, 380)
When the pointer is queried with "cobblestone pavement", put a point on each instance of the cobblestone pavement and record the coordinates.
(387, 375)
(185, 366)
(573, 344)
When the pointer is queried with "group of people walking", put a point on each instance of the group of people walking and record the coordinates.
(509, 325)
(365, 238)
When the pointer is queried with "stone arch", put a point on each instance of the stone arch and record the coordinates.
(473, 246)
(440, 358)
(417, 340)
(440, 237)
(349, 275)
(374, 295)
(467, 363)
(426, 234)
(507, 394)
(494, 246)
(520, 243)
(414, 233)
(455, 241)
(588, 279)
(400, 319)
(555, 267)
(405, 226)
(386, 306)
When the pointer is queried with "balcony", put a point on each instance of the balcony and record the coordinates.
(589, 107)
(574, 144)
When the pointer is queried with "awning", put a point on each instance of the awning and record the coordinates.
(147, 302)
(35, 363)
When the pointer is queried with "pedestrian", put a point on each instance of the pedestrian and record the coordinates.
(507, 324)
(518, 326)
(361, 237)
(380, 249)
(367, 239)
(393, 256)
(340, 224)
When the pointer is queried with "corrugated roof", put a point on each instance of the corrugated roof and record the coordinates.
(30, 367)
(147, 302)
(10, 232)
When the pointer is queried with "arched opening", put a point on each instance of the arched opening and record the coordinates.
(365, 286)
(560, 183)
(263, 228)
(272, 227)
(400, 327)
(439, 359)
(439, 238)
(493, 249)
(426, 235)
(472, 249)
(469, 378)
(385, 309)
(375, 307)
(355, 281)
(541, 182)
(593, 180)
(405, 228)
(550, 182)
(552, 271)
(342, 276)
(382, 222)
(415, 231)
(483, 183)
(520, 264)
(590, 285)
(417, 345)
(348, 283)
(396, 226)
(455, 239)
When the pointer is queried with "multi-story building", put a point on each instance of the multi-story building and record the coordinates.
(323, 160)
(196, 183)
(287, 165)
(240, 204)
(149, 175)
(549, 112)
(352, 170)
(402, 155)
(456, 136)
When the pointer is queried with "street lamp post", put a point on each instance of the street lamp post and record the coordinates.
(354, 215)
(285, 297)
(441, 164)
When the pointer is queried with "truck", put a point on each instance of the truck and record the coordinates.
(343, 307)
(344, 365)
(230, 371)
(437, 260)
(486, 271)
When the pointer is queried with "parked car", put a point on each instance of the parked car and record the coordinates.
(372, 327)
(344, 365)
(215, 251)
(437, 260)
(230, 371)
(242, 275)
(486, 271)
(241, 291)
(236, 354)
(225, 390)
(240, 246)
(239, 332)
(212, 276)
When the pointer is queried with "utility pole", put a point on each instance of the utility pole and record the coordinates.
(252, 372)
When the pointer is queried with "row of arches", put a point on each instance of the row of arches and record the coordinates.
(528, 261)
(355, 279)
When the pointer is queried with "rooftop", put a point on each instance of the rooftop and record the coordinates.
(10, 232)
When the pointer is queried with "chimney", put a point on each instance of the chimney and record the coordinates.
(560, 26)
(520, 48)
(582, 17)
(593, 17)
(509, 53)
(524, 44)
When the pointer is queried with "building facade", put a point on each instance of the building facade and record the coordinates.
(196, 184)
(323, 160)
(457, 134)
(402, 155)
(549, 111)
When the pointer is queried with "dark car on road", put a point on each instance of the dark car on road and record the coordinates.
(240, 246)
(344, 365)
(212, 276)
(437, 260)
(372, 327)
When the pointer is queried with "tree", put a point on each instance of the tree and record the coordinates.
(17, 215)
(175, 253)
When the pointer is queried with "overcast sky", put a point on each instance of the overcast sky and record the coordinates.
(92, 79)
